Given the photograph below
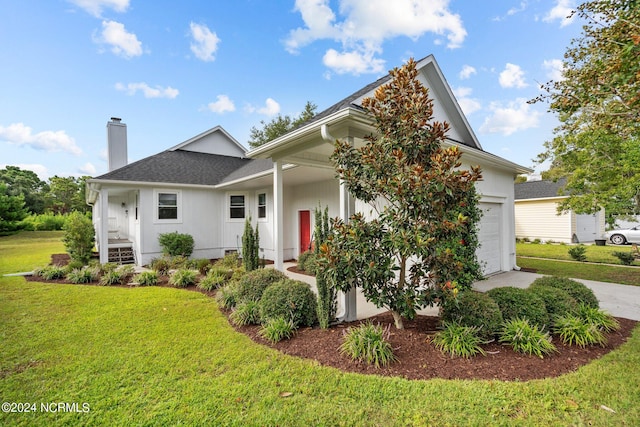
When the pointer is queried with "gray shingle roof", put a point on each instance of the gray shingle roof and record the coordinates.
(182, 167)
(539, 189)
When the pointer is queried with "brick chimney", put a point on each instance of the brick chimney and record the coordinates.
(116, 143)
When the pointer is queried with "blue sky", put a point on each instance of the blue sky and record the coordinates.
(173, 69)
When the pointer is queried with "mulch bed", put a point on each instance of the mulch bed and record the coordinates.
(417, 358)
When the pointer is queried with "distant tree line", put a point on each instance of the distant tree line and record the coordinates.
(24, 194)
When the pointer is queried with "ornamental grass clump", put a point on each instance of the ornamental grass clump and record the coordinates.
(227, 296)
(367, 343)
(575, 330)
(526, 338)
(602, 320)
(277, 329)
(246, 313)
(116, 275)
(50, 272)
(183, 277)
(146, 278)
(83, 275)
(458, 340)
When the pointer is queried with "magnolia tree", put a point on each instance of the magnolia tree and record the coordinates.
(420, 246)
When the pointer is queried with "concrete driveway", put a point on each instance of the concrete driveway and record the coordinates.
(618, 300)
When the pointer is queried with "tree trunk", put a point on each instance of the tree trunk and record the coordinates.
(397, 318)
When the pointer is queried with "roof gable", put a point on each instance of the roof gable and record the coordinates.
(213, 141)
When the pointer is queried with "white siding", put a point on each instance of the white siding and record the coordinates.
(540, 220)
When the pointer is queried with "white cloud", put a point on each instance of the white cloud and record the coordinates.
(95, 7)
(466, 72)
(205, 43)
(560, 12)
(512, 76)
(50, 141)
(554, 69)
(122, 42)
(363, 26)
(515, 116)
(148, 91)
(271, 108)
(87, 169)
(40, 170)
(352, 62)
(469, 105)
(222, 105)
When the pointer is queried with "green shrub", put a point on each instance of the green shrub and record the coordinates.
(290, 299)
(203, 265)
(79, 237)
(307, 261)
(177, 262)
(44, 222)
(83, 275)
(50, 272)
(230, 260)
(146, 278)
(526, 338)
(213, 280)
(174, 244)
(160, 265)
(599, 318)
(227, 296)
(458, 340)
(252, 285)
(626, 258)
(575, 330)
(183, 277)
(578, 253)
(473, 309)
(557, 301)
(116, 276)
(277, 329)
(367, 343)
(579, 292)
(246, 313)
(518, 303)
(250, 246)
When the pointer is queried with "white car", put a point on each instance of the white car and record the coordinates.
(622, 237)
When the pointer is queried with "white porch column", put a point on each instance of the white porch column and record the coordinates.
(278, 212)
(347, 208)
(103, 231)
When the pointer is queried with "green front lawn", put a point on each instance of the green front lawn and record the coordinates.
(161, 356)
(599, 254)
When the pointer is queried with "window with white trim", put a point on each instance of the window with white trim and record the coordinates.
(262, 205)
(168, 206)
(237, 206)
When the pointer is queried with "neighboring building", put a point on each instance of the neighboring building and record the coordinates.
(536, 208)
(208, 185)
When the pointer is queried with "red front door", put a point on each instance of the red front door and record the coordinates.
(305, 230)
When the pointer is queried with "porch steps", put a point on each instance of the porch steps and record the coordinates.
(124, 255)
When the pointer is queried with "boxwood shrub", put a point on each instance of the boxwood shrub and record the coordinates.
(579, 292)
(252, 285)
(291, 299)
(557, 301)
(518, 303)
(473, 309)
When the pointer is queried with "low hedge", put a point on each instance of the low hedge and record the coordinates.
(473, 309)
(580, 292)
(291, 299)
(517, 303)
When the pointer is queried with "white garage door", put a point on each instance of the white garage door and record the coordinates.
(489, 235)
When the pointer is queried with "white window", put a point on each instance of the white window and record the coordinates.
(262, 206)
(237, 206)
(168, 206)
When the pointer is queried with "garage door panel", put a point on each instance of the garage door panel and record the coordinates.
(490, 237)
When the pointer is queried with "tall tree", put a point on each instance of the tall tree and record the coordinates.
(12, 209)
(67, 194)
(279, 125)
(421, 245)
(597, 145)
(26, 183)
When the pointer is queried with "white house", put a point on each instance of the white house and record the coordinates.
(536, 212)
(208, 185)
